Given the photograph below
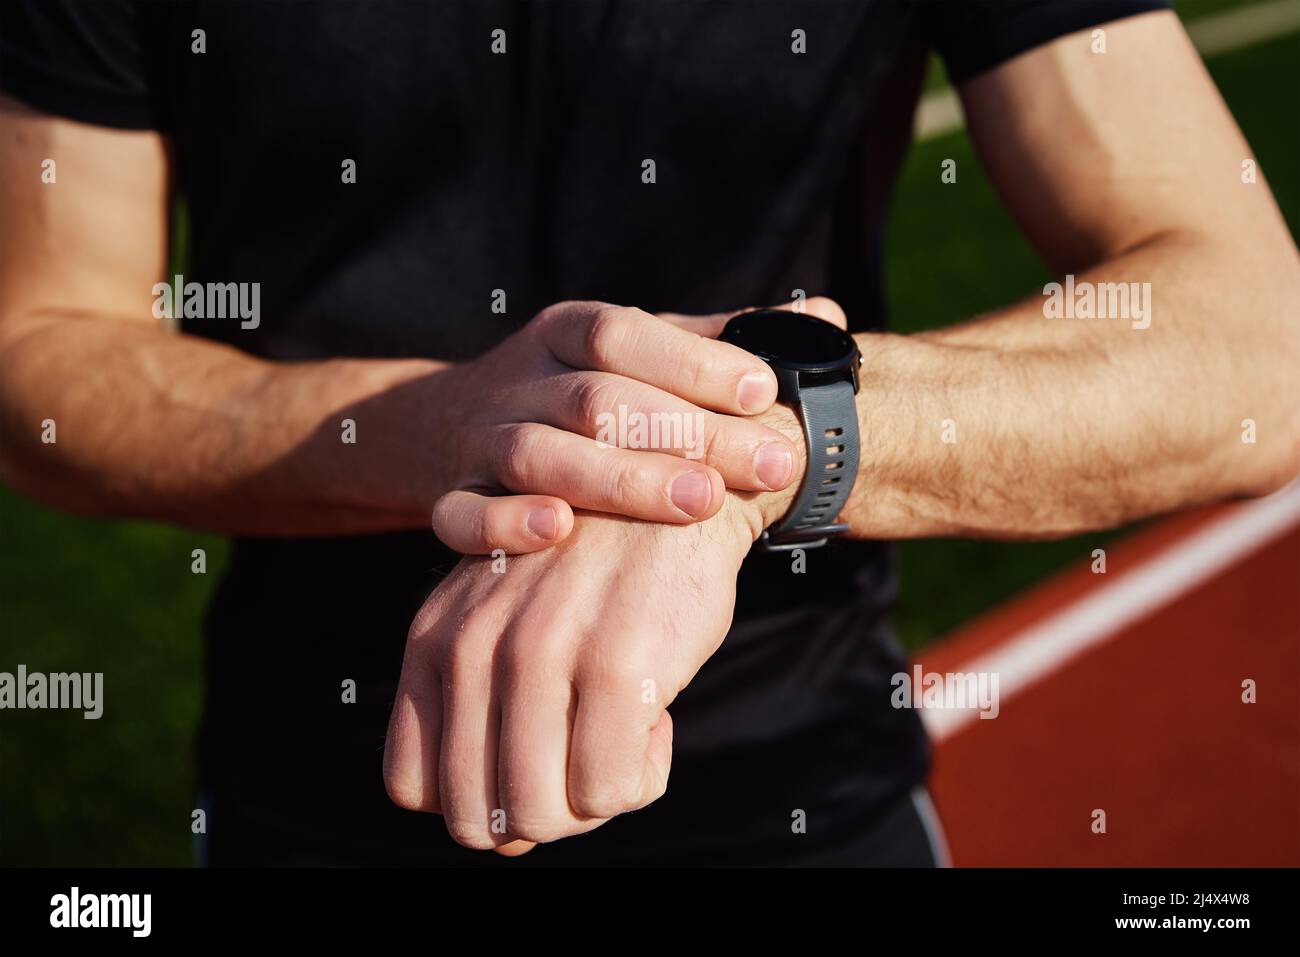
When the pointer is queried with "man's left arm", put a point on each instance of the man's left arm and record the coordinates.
(1130, 173)
(1123, 168)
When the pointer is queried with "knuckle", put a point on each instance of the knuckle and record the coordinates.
(623, 481)
(549, 315)
(606, 332)
(518, 453)
(525, 658)
(594, 395)
(617, 675)
(422, 626)
(491, 526)
(425, 632)
(691, 354)
(464, 651)
(715, 439)
(695, 359)
(458, 658)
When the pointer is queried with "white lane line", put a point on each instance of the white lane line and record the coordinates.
(1045, 647)
(939, 113)
(1244, 26)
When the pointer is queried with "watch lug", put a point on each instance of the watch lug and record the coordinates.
(787, 384)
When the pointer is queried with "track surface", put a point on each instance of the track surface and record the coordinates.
(1147, 724)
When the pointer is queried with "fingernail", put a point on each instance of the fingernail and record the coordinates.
(542, 523)
(773, 465)
(755, 394)
(691, 492)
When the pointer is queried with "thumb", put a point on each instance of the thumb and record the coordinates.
(514, 848)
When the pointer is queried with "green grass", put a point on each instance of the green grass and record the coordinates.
(119, 597)
(936, 274)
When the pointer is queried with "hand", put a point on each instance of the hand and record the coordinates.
(522, 717)
(533, 704)
(476, 524)
(525, 415)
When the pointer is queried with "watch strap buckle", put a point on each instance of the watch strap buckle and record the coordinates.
(788, 541)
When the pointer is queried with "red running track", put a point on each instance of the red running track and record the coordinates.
(1149, 726)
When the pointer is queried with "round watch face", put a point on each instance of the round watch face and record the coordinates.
(791, 339)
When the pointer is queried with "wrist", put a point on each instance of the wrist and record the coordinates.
(819, 367)
(761, 510)
(404, 414)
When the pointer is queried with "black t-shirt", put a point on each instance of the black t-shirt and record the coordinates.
(522, 171)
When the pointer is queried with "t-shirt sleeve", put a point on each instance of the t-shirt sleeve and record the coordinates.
(82, 59)
(976, 35)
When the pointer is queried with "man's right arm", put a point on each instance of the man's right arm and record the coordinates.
(149, 423)
(104, 411)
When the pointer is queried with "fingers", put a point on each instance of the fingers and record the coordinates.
(646, 485)
(537, 711)
(599, 337)
(493, 735)
(414, 740)
(641, 385)
(823, 307)
(710, 325)
(467, 762)
(415, 774)
(475, 524)
(622, 744)
(622, 412)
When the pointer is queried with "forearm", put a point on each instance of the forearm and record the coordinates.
(1017, 426)
(148, 424)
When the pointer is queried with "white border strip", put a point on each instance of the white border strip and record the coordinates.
(933, 827)
(1045, 647)
(939, 113)
(1245, 26)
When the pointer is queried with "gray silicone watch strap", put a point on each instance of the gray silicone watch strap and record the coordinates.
(830, 422)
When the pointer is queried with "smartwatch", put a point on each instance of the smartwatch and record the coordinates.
(816, 365)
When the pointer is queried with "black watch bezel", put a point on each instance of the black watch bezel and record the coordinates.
(794, 376)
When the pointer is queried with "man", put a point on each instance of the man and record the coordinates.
(435, 201)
